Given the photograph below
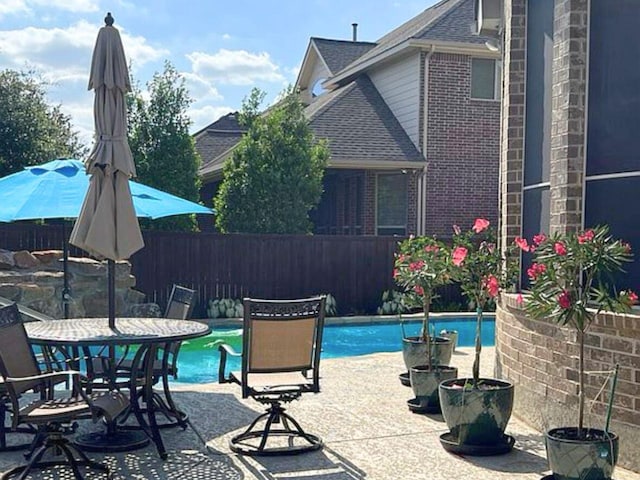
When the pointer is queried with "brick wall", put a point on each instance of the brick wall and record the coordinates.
(462, 150)
(513, 105)
(541, 359)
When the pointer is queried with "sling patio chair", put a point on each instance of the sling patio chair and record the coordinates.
(180, 306)
(281, 345)
(53, 413)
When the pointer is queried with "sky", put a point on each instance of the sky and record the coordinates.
(222, 49)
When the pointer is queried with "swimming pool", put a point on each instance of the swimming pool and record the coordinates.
(199, 359)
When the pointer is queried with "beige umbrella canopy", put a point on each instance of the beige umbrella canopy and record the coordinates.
(107, 226)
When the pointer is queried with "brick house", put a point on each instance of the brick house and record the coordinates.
(412, 121)
(569, 160)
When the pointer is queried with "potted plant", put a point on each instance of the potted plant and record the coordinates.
(422, 265)
(571, 283)
(476, 409)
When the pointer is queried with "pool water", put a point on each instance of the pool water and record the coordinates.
(199, 359)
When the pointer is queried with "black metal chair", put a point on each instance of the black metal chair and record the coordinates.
(281, 346)
(51, 414)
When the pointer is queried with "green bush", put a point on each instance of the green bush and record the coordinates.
(225, 308)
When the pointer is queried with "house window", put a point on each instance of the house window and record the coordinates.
(485, 79)
(391, 204)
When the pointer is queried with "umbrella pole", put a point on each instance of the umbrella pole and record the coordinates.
(111, 277)
(66, 294)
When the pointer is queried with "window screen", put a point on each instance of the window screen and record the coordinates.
(392, 204)
(483, 78)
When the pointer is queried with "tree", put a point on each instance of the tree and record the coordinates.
(274, 177)
(31, 130)
(163, 150)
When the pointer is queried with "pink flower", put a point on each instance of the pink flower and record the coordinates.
(535, 269)
(492, 286)
(560, 248)
(458, 256)
(418, 289)
(519, 299)
(431, 248)
(627, 247)
(395, 273)
(456, 230)
(415, 266)
(629, 297)
(586, 236)
(539, 238)
(480, 225)
(401, 257)
(522, 243)
(564, 300)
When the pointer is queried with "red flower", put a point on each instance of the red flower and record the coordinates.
(491, 285)
(633, 297)
(415, 266)
(401, 257)
(535, 269)
(629, 297)
(395, 273)
(586, 236)
(539, 238)
(564, 300)
(560, 249)
(456, 230)
(458, 256)
(418, 289)
(480, 225)
(519, 299)
(431, 248)
(522, 243)
(627, 247)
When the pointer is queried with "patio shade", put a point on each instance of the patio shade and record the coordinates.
(107, 226)
(56, 189)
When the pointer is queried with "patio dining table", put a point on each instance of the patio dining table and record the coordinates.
(149, 336)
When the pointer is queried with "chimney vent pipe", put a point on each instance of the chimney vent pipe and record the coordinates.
(355, 31)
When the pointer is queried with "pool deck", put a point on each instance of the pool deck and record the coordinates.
(363, 418)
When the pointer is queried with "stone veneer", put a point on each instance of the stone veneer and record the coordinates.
(36, 280)
(541, 359)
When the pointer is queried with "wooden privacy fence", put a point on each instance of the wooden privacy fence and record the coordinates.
(354, 269)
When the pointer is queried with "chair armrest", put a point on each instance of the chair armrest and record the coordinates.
(225, 349)
(44, 376)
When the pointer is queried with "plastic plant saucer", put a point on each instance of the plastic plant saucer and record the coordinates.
(404, 379)
(450, 444)
(416, 407)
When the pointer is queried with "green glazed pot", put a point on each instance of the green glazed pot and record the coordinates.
(414, 351)
(592, 457)
(476, 416)
(424, 383)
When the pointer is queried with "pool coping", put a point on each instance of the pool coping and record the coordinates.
(355, 320)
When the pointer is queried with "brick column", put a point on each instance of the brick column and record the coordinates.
(369, 220)
(513, 103)
(568, 114)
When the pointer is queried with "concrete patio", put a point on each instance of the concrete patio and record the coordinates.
(362, 416)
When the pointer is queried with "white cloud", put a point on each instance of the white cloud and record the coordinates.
(65, 53)
(235, 67)
(67, 5)
(203, 116)
(226, 36)
(200, 89)
(8, 7)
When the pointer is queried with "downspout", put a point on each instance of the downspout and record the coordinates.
(422, 230)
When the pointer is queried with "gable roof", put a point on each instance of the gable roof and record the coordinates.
(218, 137)
(360, 127)
(446, 22)
(337, 54)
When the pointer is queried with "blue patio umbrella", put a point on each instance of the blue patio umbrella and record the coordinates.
(56, 189)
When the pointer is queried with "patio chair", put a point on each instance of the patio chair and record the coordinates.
(281, 345)
(51, 414)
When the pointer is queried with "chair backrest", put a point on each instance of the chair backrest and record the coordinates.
(16, 356)
(181, 303)
(282, 336)
(28, 314)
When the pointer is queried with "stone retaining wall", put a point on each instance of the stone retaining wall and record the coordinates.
(36, 279)
(541, 359)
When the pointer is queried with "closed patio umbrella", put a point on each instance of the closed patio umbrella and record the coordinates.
(107, 226)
